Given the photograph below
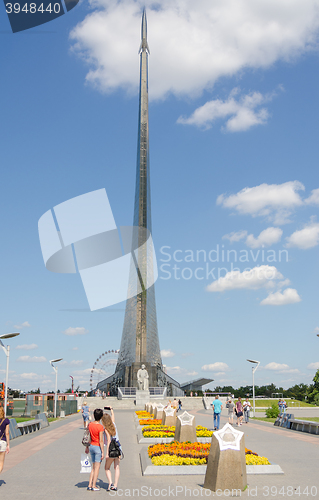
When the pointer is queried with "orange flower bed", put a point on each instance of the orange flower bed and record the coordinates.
(149, 421)
(190, 450)
(185, 450)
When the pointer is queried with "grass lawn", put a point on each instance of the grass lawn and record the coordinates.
(272, 420)
(264, 419)
(25, 419)
(291, 403)
(22, 419)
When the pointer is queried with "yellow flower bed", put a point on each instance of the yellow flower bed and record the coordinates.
(161, 431)
(158, 431)
(203, 431)
(174, 460)
(176, 453)
(253, 460)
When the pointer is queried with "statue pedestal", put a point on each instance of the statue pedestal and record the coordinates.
(142, 397)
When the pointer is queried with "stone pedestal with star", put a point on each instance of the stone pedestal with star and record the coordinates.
(185, 429)
(159, 412)
(169, 416)
(226, 466)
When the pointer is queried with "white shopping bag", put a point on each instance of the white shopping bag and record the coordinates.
(86, 466)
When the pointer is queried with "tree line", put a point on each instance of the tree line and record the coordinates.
(301, 392)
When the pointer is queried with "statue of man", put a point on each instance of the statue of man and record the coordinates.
(142, 379)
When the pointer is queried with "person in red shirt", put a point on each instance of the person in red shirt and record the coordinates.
(96, 448)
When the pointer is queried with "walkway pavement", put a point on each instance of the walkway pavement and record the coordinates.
(47, 464)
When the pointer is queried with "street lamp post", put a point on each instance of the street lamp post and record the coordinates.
(7, 353)
(254, 368)
(56, 382)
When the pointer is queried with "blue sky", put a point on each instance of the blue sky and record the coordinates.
(233, 105)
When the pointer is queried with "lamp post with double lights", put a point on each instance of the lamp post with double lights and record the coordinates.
(254, 368)
(56, 382)
(7, 353)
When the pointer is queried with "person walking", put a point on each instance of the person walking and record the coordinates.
(239, 412)
(110, 431)
(85, 414)
(4, 437)
(284, 406)
(230, 405)
(217, 406)
(280, 405)
(179, 405)
(96, 448)
(247, 408)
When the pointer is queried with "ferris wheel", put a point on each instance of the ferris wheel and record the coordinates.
(103, 367)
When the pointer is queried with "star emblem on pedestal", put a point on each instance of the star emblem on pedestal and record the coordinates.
(169, 411)
(160, 407)
(186, 418)
(228, 438)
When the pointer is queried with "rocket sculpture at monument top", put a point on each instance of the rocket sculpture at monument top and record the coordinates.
(140, 343)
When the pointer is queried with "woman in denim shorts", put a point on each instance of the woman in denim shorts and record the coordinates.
(96, 448)
(4, 437)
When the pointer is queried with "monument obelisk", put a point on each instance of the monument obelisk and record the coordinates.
(140, 343)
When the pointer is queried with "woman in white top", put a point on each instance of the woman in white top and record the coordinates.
(247, 408)
(111, 432)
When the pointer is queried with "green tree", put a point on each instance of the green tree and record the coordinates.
(313, 390)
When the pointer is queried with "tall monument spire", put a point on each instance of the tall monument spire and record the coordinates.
(140, 342)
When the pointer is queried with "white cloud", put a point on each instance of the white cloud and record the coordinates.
(78, 330)
(32, 359)
(167, 353)
(316, 330)
(215, 367)
(239, 115)
(75, 348)
(235, 236)
(27, 347)
(86, 371)
(26, 324)
(305, 238)
(258, 277)
(313, 366)
(274, 201)
(30, 376)
(194, 43)
(288, 296)
(266, 238)
(313, 198)
(76, 362)
(177, 370)
(280, 367)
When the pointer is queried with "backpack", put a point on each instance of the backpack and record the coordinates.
(86, 440)
(114, 449)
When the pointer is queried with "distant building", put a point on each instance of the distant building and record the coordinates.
(39, 403)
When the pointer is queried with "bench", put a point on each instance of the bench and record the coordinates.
(29, 426)
(304, 426)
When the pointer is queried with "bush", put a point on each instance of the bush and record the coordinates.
(273, 411)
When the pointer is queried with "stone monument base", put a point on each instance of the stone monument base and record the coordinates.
(142, 397)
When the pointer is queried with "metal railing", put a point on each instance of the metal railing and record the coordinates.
(158, 391)
(126, 392)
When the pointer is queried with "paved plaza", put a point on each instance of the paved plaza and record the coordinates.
(46, 464)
